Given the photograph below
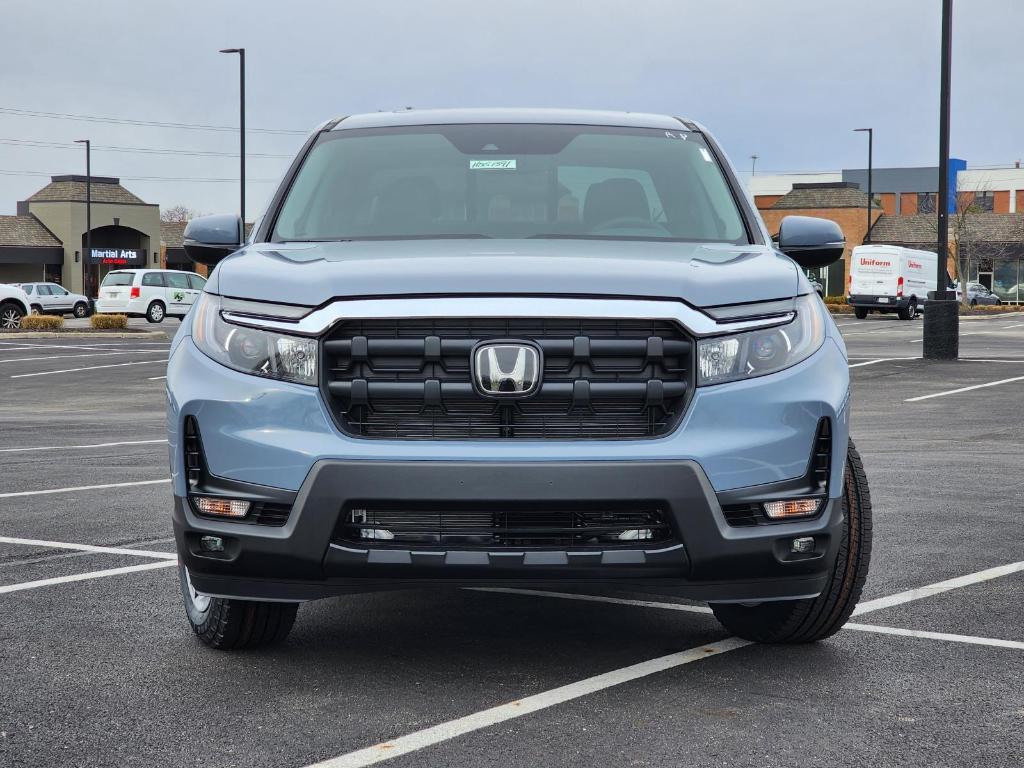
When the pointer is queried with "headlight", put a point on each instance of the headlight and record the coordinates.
(756, 353)
(249, 350)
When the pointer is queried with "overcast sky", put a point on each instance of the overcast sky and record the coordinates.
(786, 80)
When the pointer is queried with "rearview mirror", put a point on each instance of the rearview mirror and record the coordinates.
(811, 242)
(208, 239)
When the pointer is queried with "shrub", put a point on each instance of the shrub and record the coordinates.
(42, 323)
(835, 299)
(109, 321)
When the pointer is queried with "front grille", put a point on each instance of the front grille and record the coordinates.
(505, 528)
(410, 379)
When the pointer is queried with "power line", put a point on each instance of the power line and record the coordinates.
(148, 123)
(147, 178)
(142, 150)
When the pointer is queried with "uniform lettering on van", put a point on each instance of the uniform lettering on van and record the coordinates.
(913, 264)
(874, 263)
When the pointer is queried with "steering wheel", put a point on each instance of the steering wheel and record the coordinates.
(628, 222)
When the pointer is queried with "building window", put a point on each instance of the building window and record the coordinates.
(926, 202)
(983, 201)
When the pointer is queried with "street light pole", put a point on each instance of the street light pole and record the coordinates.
(88, 214)
(871, 141)
(241, 126)
(942, 319)
(753, 164)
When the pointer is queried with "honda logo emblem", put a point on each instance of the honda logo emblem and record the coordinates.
(507, 368)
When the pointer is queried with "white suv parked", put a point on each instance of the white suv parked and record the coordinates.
(149, 293)
(13, 306)
(53, 299)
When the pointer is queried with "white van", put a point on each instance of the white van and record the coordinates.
(149, 293)
(888, 278)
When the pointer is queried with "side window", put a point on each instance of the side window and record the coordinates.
(197, 282)
(29, 289)
(43, 290)
(153, 279)
(176, 279)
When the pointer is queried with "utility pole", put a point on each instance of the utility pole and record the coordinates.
(241, 126)
(871, 141)
(753, 164)
(88, 221)
(942, 315)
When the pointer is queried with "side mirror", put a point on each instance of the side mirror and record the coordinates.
(811, 242)
(208, 239)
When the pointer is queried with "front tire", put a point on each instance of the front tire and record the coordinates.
(807, 621)
(156, 312)
(10, 316)
(229, 625)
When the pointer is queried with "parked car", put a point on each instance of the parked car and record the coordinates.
(13, 306)
(150, 293)
(495, 347)
(977, 294)
(53, 299)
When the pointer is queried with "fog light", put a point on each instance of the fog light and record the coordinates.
(222, 507)
(780, 510)
(211, 544)
(802, 545)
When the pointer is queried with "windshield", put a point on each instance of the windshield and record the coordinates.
(511, 181)
(118, 278)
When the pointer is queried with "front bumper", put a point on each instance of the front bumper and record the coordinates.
(709, 559)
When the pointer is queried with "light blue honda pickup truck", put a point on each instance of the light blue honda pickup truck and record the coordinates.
(514, 348)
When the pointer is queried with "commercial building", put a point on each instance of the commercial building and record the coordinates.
(46, 239)
(986, 219)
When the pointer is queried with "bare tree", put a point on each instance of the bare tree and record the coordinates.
(178, 213)
(977, 240)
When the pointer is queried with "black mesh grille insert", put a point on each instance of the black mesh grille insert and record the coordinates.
(505, 528)
(410, 379)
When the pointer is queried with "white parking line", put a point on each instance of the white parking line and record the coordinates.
(91, 368)
(80, 447)
(513, 709)
(597, 599)
(919, 398)
(969, 639)
(461, 726)
(81, 488)
(882, 360)
(156, 378)
(90, 354)
(937, 588)
(88, 347)
(89, 548)
(7, 588)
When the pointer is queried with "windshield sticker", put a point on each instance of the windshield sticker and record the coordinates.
(706, 155)
(482, 165)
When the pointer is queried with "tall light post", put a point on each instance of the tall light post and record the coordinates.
(88, 214)
(241, 126)
(871, 140)
(753, 164)
(942, 316)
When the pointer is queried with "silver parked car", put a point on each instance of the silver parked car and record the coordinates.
(53, 299)
(978, 294)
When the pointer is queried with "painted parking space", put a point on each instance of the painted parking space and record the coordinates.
(609, 679)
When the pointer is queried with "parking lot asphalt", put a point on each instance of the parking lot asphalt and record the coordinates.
(104, 671)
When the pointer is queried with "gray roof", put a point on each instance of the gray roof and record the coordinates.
(922, 228)
(26, 232)
(838, 194)
(555, 116)
(72, 189)
(171, 233)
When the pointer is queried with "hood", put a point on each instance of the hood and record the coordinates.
(312, 274)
